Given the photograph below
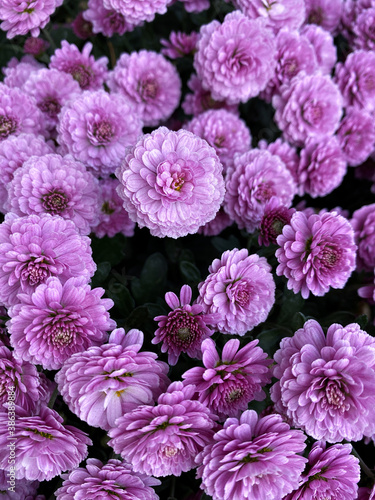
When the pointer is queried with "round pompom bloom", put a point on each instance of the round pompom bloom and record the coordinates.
(56, 185)
(90, 74)
(277, 14)
(18, 113)
(331, 473)
(228, 383)
(25, 490)
(33, 248)
(216, 225)
(184, 328)
(325, 13)
(98, 481)
(113, 219)
(137, 11)
(275, 217)
(317, 252)
(35, 46)
(310, 106)
(171, 182)
(20, 18)
(286, 152)
(97, 128)
(356, 136)
(251, 181)
(196, 5)
(224, 131)
(58, 320)
(150, 81)
(81, 27)
(17, 72)
(356, 78)
(239, 289)
(363, 223)
(325, 49)
(364, 29)
(322, 166)
(326, 382)
(103, 383)
(45, 447)
(252, 458)
(179, 44)
(106, 21)
(235, 59)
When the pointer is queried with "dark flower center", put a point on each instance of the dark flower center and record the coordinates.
(335, 397)
(264, 192)
(35, 271)
(313, 113)
(219, 141)
(82, 74)
(234, 395)
(148, 89)
(8, 126)
(316, 16)
(290, 68)
(239, 292)
(55, 202)
(107, 209)
(61, 335)
(102, 133)
(40, 433)
(182, 329)
(330, 257)
(51, 106)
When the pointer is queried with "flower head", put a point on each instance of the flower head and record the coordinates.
(35, 46)
(274, 219)
(324, 47)
(324, 13)
(137, 11)
(179, 44)
(106, 21)
(363, 223)
(17, 72)
(356, 136)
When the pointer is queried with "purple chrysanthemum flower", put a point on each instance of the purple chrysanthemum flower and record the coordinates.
(355, 78)
(224, 131)
(322, 166)
(103, 383)
(326, 382)
(310, 106)
(251, 181)
(216, 225)
(56, 185)
(324, 13)
(81, 27)
(58, 320)
(150, 81)
(25, 490)
(97, 128)
(286, 152)
(90, 74)
(363, 223)
(164, 439)
(179, 44)
(33, 248)
(325, 49)
(235, 59)
(331, 473)
(171, 182)
(35, 46)
(196, 5)
(228, 383)
(20, 18)
(356, 136)
(252, 458)
(317, 252)
(275, 217)
(184, 328)
(364, 29)
(45, 447)
(115, 479)
(106, 21)
(365, 493)
(277, 14)
(239, 289)
(17, 72)
(137, 11)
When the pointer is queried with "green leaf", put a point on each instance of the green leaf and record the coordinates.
(362, 320)
(222, 244)
(190, 273)
(269, 340)
(122, 298)
(108, 249)
(102, 271)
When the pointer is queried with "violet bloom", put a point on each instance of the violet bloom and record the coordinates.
(228, 383)
(196, 5)
(35, 46)
(239, 289)
(364, 29)
(251, 181)
(356, 136)
(286, 152)
(97, 128)
(331, 377)
(58, 320)
(310, 106)
(90, 74)
(216, 225)
(275, 217)
(184, 328)
(45, 447)
(137, 11)
(17, 72)
(251, 458)
(81, 27)
(331, 473)
(150, 81)
(114, 479)
(316, 252)
(235, 59)
(104, 382)
(324, 47)
(33, 248)
(325, 13)
(224, 131)
(179, 44)
(363, 223)
(25, 490)
(171, 182)
(106, 21)
(164, 439)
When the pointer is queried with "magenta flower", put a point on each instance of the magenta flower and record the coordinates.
(235, 59)
(325, 49)
(179, 44)
(26, 490)
(171, 182)
(228, 383)
(17, 72)
(150, 81)
(286, 152)
(114, 479)
(35, 46)
(58, 320)
(196, 5)
(252, 458)
(45, 447)
(137, 11)
(90, 74)
(325, 13)
(184, 328)
(251, 181)
(106, 21)
(316, 252)
(331, 377)
(103, 383)
(331, 473)
(164, 439)
(96, 129)
(356, 136)
(363, 223)
(239, 289)
(275, 217)
(364, 28)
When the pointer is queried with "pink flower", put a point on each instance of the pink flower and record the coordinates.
(363, 223)
(179, 44)
(356, 136)
(275, 217)
(106, 21)
(325, 49)
(35, 46)
(286, 152)
(325, 13)
(137, 11)
(17, 72)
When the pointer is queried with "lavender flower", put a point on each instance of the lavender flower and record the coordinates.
(81, 27)
(363, 223)
(356, 136)
(364, 29)
(26, 490)
(35, 46)
(17, 72)
(325, 49)
(275, 217)
(216, 225)
(325, 13)
(106, 21)
(137, 11)
(196, 5)
(179, 44)
(286, 152)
